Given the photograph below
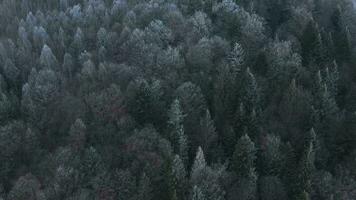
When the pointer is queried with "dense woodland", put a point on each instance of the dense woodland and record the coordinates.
(177, 100)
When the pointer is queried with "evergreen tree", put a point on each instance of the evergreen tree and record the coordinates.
(144, 188)
(26, 187)
(236, 59)
(124, 184)
(77, 135)
(197, 194)
(12, 73)
(47, 59)
(331, 79)
(179, 177)
(305, 167)
(312, 46)
(250, 94)
(177, 136)
(208, 135)
(199, 163)
(340, 36)
(243, 160)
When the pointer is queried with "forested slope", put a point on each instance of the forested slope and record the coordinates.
(177, 100)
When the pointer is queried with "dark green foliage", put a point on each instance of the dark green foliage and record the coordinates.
(244, 157)
(177, 99)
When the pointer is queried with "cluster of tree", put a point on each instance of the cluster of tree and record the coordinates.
(177, 100)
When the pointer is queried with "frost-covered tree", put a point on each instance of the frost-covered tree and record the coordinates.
(47, 59)
(176, 128)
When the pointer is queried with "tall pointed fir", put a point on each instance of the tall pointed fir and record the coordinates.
(243, 165)
(77, 135)
(144, 188)
(236, 59)
(199, 163)
(179, 178)
(48, 60)
(240, 123)
(340, 36)
(312, 47)
(331, 79)
(324, 102)
(197, 194)
(289, 171)
(250, 94)
(305, 167)
(244, 157)
(207, 178)
(176, 130)
(208, 136)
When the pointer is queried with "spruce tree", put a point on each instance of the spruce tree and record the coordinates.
(144, 188)
(199, 163)
(179, 177)
(244, 157)
(243, 166)
(312, 46)
(208, 135)
(176, 129)
(250, 94)
(47, 59)
(236, 59)
(306, 167)
(197, 194)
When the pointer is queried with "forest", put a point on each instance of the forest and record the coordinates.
(177, 100)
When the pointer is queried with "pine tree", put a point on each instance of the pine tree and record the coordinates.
(77, 135)
(77, 45)
(175, 123)
(208, 135)
(179, 178)
(26, 187)
(250, 94)
(199, 163)
(11, 73)
(332, 78)
(236, 59)
(197, 194)
(47, 59)
(306, 166)
(145, 103)
(193, 104)
(312, 46)
(243, 160)
(68, 66)
(290, 170)
(91, 165)
(340, 36)
(270, 159)
(124, 184)
(328, 107)
(144, 188)
(38, 94)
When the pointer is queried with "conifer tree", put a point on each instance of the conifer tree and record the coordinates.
(208, 135)
(236, 59)
(332, 78)
(77, 135)
(175, 123)
(179, 177)
(144, 188)
(305, 167)
(312, 46)
(199, 163)
(197, 194)
(250, 94)
(47, 59)
(243, 159)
